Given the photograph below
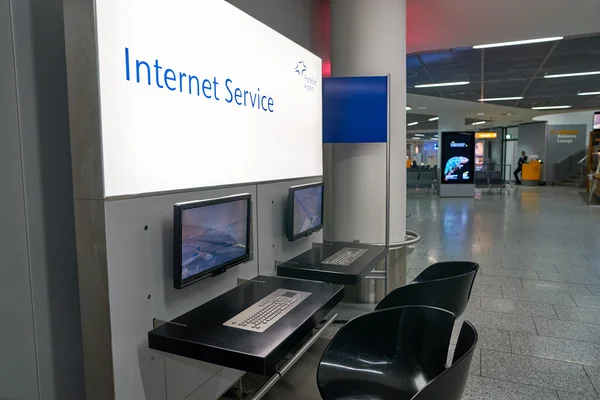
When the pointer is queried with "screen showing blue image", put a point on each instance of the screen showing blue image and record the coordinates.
(213, 236)
(308, 208)
(458, 157)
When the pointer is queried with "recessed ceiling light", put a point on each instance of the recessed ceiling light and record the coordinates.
(479, 123)
(408, 108)
(413, 124)
(573, 74)
(502, 98)
(434, 138)
(508, 114)
(588, 93)
(550, 108)
(443, 84)
(480, 113)
(434, 118)
(416, 138)
(419, 134)
(518, 42)
(422, 108)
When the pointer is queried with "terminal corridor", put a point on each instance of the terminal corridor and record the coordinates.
(536, 299)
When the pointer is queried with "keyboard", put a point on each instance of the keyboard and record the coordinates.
(344, 257)
(264, 313)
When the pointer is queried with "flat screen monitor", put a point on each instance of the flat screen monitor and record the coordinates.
(210, 237)
(304, 210)
(596, 125)
(458, 157)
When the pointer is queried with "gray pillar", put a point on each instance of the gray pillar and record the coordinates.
(368, 39)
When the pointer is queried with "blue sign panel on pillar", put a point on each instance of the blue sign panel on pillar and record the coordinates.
(355, 109)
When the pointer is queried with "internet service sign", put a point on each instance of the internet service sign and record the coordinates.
(198, 94)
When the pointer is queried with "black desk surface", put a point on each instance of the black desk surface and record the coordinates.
(200, 334)
(308, 264)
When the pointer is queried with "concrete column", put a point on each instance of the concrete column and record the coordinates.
(368, 38)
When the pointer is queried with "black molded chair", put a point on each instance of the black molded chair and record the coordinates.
(446, 285)
(398, 353)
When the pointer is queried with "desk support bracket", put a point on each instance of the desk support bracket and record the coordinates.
(288, 365)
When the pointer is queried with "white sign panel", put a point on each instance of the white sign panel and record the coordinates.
(195, 93)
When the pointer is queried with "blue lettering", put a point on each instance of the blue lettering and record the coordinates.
(169, 76)
(190, 78)
(127, 63)
(209, 88)
(137, 70)
(215, 83)
(262, 103)
(206, 86)
(181, 76)
(227, 82)
(158, 68)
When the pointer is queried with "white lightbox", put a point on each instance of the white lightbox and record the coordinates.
(196, 93)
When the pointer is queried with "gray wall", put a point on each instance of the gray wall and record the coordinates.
(124, 271)
(40, 339)
(532, 139)
(292, 18)
(559, 145)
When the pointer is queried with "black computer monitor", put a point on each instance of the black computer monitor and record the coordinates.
(210, 237)
(304, 210)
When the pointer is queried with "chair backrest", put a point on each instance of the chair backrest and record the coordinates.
(481, 178)
(495, 177)
(450, 384)
(446, 285)
(392, 353)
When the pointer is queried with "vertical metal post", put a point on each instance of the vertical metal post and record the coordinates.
(387, 184)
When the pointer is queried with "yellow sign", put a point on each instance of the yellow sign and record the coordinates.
(564, 132)
(486, 135)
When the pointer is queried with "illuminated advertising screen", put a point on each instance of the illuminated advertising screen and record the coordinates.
(597, 121)
(458, 157)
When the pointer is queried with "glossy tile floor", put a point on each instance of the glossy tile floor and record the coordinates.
(536, 300)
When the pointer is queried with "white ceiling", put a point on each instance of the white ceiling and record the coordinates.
(447, 24)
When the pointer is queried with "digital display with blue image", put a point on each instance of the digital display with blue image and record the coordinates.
(458, 156)
(308, 206)
(213, 236)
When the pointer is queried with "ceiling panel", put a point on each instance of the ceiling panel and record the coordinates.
(511, 71)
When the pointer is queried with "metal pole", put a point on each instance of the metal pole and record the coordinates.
(387, 186)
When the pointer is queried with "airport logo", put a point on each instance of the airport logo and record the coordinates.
(302, 71)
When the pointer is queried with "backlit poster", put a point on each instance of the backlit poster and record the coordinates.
(458, 157)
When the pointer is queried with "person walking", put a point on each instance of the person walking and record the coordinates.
(522, 160)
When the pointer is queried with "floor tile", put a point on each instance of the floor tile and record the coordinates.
(535, 371)
(587, 301)
(481, 388)
(530, 266)
(487, 291)
(539, 296)
(508, 273)
(578, 314)
(576, 396)
(594, 375)
(594, 289)
(568, 330)
(556, 349)
(574, 288)
(485, 280)
(517, 307)
(494, 320)
(569, 278)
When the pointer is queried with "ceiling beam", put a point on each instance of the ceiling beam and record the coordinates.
(428, 74)
(554, 46)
